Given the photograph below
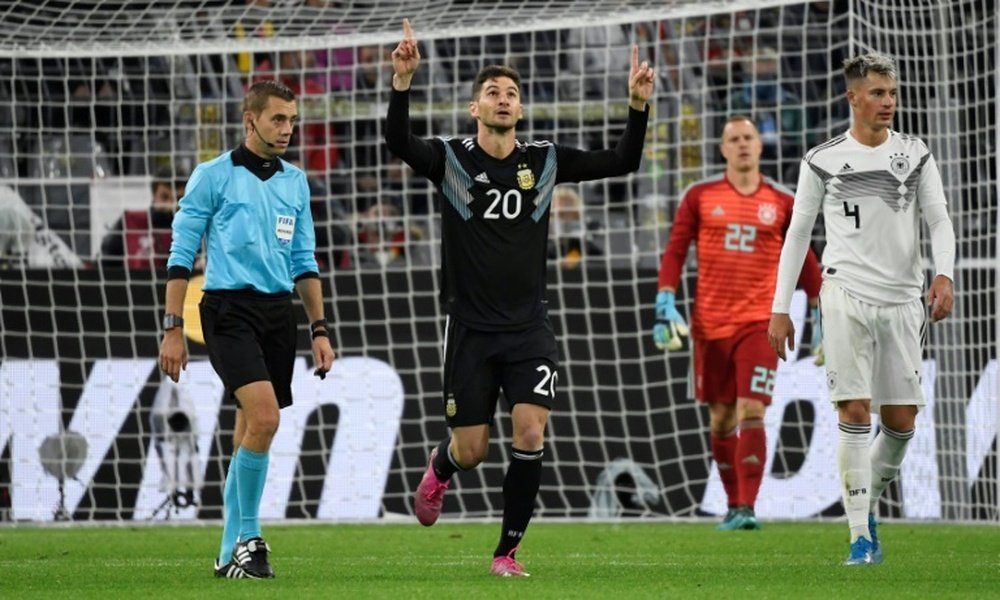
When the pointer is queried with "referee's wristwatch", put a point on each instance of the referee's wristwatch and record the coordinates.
(170, 321)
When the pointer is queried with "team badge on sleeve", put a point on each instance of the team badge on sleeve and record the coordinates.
(284, 228)
(525, 178)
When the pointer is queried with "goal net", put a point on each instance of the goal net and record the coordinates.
(99, 99)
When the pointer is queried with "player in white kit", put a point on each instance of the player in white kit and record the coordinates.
(871, 183)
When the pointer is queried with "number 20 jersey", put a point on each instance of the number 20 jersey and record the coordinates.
(495, 213)
(495, 226)
(871, 200)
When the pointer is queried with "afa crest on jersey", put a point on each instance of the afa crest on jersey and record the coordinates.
(525, 178)
(767, 213)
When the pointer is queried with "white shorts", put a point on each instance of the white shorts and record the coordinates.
(872, 352)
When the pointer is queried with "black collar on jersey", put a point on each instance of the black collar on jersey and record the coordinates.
(520, 149)
(263, 168)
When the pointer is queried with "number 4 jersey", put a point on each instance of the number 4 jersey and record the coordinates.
(871, 198)
(495, 213)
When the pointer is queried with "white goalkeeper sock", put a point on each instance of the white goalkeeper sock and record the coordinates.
(856, 476)
(887, 454)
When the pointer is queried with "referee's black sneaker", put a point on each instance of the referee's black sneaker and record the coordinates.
(230, 570)
(251, 556)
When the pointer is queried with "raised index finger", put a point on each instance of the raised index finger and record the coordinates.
(635, 57)
(407, 29)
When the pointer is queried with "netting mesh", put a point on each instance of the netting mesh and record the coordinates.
(116, 27)
(97, 98)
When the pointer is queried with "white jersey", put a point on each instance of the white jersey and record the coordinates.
(870, 197)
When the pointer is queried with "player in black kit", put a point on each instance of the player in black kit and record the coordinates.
(495, 192)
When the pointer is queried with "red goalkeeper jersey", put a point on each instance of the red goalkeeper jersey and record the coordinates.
(739, 241)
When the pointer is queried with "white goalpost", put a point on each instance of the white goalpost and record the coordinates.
(98, 98)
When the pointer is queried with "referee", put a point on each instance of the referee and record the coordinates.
(252, 210)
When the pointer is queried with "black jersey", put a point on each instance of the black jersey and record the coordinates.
(495, 213)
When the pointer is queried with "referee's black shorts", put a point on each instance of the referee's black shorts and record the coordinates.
(250, 337)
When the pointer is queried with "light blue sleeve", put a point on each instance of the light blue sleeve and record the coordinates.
(196, 210)
(304, 241)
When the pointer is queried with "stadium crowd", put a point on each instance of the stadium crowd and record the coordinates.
(135, 115)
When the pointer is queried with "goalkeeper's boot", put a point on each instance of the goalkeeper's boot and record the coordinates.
(230, 570)
(876, 546)
(731, 521)
(861, 553)
(506, 566)
(748, 520)
(251, 555)
(430, 495)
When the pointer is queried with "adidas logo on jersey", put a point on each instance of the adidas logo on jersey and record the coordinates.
(482, 178)
(717, 211)
(846, 168)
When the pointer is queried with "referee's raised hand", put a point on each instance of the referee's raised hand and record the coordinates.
(405, 58)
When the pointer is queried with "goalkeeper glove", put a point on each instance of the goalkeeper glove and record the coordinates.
(816, 344)
(670, 325)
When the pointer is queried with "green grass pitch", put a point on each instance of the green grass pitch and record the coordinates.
(451, 560)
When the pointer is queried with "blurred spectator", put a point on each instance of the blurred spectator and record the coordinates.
(255, 21)
(596, 63)
(383, 237)
(316, 136)
(140, 239)
(570, 235)
(25, 241)
(776, 109)
(336, 63)
(330, 217)
(369, 154)
(728, 40)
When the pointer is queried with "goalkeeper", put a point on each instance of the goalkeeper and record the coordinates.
(737, 220)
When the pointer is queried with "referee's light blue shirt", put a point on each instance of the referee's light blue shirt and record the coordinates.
(259, 234)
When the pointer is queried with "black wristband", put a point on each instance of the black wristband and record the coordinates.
(320, 324)
(320, 333)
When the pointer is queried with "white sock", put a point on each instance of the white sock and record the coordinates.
(856, 476)
(887, 454)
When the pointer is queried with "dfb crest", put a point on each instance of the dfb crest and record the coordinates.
(899, 164)
(767, 213)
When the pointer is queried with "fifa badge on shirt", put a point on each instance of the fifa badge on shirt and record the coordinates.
(284, 228)
(525, 178)
(450, 408)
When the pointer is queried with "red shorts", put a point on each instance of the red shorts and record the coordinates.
(740, 366)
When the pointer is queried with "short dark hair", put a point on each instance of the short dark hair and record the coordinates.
(860, 66)
(169, 176)
(493, 72)
(256, 99)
